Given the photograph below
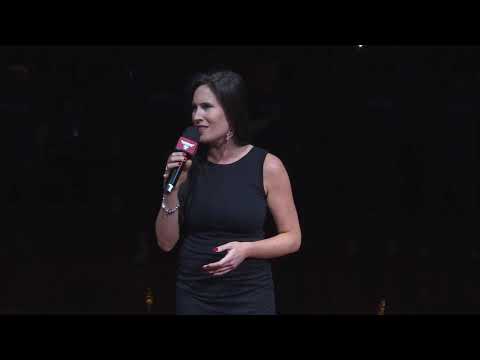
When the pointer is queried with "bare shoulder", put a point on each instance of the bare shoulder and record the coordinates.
(273, 165)
(274, 172)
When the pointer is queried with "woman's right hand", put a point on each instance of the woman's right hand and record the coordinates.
(175, 160)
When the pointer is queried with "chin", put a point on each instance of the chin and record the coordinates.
(209, 140)
(204, 139)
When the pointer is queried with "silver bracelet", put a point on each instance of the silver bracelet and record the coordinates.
(167, 210)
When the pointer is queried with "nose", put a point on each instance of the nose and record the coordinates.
(196, 116)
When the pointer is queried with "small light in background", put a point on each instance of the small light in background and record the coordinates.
(360, 46)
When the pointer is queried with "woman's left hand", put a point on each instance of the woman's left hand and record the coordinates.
(237, 252)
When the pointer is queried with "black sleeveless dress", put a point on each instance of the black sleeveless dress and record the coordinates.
(227, 204)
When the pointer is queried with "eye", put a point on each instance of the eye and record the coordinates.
(206, 106)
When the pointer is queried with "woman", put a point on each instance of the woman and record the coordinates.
(219, 205)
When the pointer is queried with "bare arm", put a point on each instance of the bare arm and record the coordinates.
(281, 204)
(167, 225)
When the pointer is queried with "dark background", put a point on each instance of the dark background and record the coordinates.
(380, 143)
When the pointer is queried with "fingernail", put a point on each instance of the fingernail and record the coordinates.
(215, 249)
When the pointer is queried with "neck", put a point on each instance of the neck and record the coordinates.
(224, 153)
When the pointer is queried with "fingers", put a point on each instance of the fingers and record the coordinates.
(175, 160)
(172, 165)
(225, 265)
(224, 262)
(224, 247)
(177, 156)
(218, 268)
(222, 271)
(214, 266)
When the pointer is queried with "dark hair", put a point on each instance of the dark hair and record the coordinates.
(231, 91)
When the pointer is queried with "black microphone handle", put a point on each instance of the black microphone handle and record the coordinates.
(173, 178)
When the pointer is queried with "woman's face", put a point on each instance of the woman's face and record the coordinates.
(208, 116)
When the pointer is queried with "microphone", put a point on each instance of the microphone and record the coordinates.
(188, 144)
